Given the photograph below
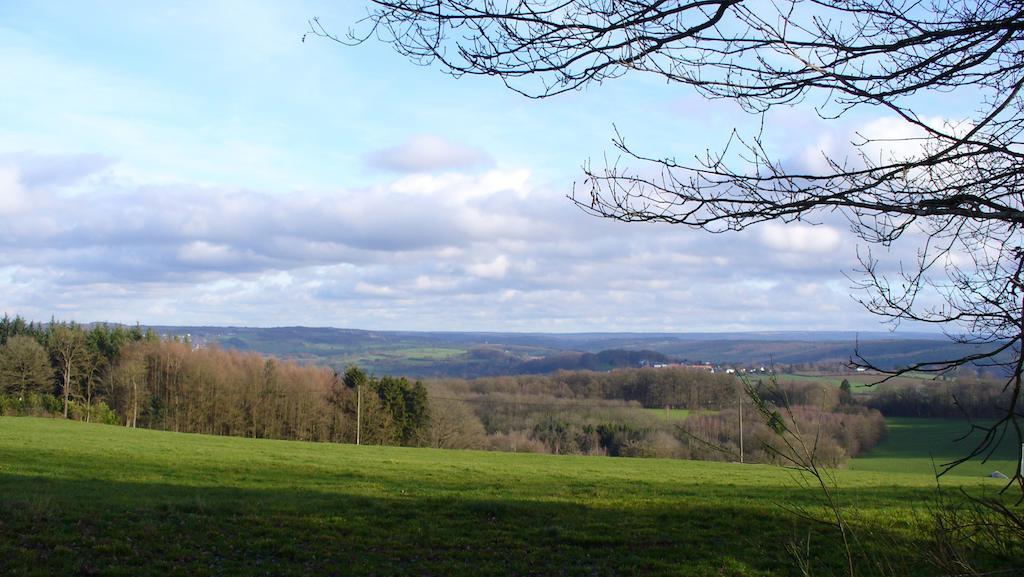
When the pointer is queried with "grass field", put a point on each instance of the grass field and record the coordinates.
(862, 383)
(921, 445)
(669, 415)
(89, 499)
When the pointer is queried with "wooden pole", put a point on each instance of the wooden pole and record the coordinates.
(359, 412)
(739, 403)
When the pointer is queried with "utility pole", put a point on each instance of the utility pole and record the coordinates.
(739, 404)
(359, 411)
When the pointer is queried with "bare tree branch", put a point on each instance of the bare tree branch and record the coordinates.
(959, 193)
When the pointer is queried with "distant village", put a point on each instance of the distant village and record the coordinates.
(729, 370)
(718, 368)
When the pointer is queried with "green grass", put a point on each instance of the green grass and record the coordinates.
(89, 499)
(432, 353)
(863, 383)
(669, 415)
(674, 415)
(922, 445)
(411, 354)
(833, 380)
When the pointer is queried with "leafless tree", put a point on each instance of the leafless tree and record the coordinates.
(68, 349)
(957, 193)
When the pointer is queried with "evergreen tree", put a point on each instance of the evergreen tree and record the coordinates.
(24, 367)
(845, 393)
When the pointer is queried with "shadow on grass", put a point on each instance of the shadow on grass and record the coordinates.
(87, 527)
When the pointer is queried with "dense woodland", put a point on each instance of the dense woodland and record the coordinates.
(584, 412)
(649, 387)
(133, 377)
(966, 397)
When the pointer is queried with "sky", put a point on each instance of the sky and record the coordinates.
(197, 163)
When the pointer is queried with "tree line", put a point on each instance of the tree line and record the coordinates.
(650, 387)
(130, 376)
(830, 421)
(601, 413)
(618, 413)
(968, 397)
(61, 368)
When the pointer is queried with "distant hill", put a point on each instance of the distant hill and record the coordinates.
(472, 354)
(602, 361)
(885, 353)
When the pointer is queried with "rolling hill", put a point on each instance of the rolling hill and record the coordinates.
(460, 354)
(86, 499)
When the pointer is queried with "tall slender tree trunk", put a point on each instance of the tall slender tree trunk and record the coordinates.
(135, 403)
(739, 406)
(88, 401)
(67, 386)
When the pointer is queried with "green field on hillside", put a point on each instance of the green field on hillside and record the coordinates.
(861, 382)
(922, 445)
(669, 415)
(86, 499)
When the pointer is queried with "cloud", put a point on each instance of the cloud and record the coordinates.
(428, 283)
(481, 251)
(39, 170)
(874, 142)
(427, 153)
(13, 198)
(370, 289)
(184, 227)
(204, 254)
(891, 139)
(494, 269)
(204, 181)
(800, 238)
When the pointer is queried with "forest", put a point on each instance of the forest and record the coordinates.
(134, 377)
(131, 376)
(668, 412)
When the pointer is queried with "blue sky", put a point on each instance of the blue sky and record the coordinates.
(196, 163)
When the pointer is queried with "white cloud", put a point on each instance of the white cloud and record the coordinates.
(365, 288)
(454, 186)
(878, 141)
(13, 198)
(427, 153)
(800, 238)
(890, 139)
(494, 269)
(816, 158)
(429, 283)
(207, 254)
(440, 256)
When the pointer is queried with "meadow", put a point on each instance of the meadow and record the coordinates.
(668, 415)
(86, 499)
(863, 383)
(922, 446)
